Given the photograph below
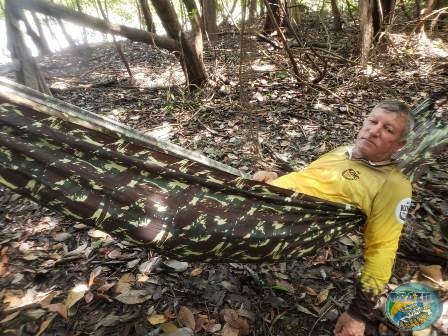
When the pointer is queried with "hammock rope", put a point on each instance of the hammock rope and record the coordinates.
(99, 172)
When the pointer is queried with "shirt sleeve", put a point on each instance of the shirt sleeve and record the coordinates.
(382, 232)
(289, 181)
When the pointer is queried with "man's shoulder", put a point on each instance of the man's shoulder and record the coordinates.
(396, 176)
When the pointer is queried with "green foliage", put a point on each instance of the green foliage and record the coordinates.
(2, 9)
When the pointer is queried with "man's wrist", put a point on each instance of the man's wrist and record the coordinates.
(362, 306)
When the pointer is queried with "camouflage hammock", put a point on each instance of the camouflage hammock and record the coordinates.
(151, 193)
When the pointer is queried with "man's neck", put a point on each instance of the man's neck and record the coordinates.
(353, 156)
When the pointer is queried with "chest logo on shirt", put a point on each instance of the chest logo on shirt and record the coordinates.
(350, 174)
(401, 211)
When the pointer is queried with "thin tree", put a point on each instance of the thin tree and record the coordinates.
(40, 30)
(84, 32)
(209, 18)
(117, 45)
(381, 16)
(27, 70)
(147, 15)
(39, 40)
(277, 7)
(190, 56)
(337, 22)
(366, 26)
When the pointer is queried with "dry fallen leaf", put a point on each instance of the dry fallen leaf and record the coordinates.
(177, 266)
(97, 234)
(235, 321)
(75, 294)
(228, 330)
(35, 314)
(112, 320)
(44, 325)
(94, 274)
(30, 257)
(48, 298)
(59, 237)
(59, 308)
(114, 254)
(157, 319)
(132, 263)
(304, 310)
(168, 327)
(10, 317)
(88, 297)
(125, 283)
(433, 272)
(212, 327)
(322, 296)
(105, 287)
(3, 265)
(80, 226)
(147, 267)
(180, 332)
(79, 250)
(197, 271)
(186, 317)
(133, 296)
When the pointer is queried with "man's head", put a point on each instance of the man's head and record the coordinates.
(383, 132)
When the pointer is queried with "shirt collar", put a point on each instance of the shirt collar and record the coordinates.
(349, 152)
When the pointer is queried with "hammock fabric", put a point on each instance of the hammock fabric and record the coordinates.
(96, 171)
(151, 193)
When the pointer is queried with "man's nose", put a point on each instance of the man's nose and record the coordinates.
(374, 130)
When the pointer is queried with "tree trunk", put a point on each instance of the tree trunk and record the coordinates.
(337, 22)
(417, 8)
(64, 13)
(381, 15)
(84, 32)
(366, 26)
(430, 6)
(191, 55)
(67, 36)
(278, 9)
(117, 45)
(209, 18)
(27, 72)
(39, 41)
(150, 26)
(192, 46)
(41, 32)
(253, 8)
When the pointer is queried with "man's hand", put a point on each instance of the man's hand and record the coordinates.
(264, 176)
(349, 326)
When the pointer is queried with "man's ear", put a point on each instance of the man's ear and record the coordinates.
(401, 143)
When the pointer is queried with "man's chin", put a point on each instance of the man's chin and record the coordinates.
(360, 152)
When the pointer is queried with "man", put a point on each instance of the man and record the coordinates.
(364, 175)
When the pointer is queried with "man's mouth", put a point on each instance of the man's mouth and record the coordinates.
(369, 141)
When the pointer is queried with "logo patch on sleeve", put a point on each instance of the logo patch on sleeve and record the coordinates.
(401, 211)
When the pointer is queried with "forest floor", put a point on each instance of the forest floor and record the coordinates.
(59, 277)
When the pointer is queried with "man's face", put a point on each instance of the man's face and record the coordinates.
(380, 135)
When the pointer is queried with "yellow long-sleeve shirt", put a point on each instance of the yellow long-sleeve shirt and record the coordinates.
(380, 190)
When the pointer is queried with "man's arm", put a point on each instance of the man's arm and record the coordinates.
(381, 236)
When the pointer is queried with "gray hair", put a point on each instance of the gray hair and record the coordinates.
(396, 106)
